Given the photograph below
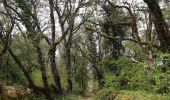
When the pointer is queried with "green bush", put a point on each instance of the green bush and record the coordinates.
(10, 72)
(127, 75)
(111, 94)
(123, 73)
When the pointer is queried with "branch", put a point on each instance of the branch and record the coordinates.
(128, 39)
(83, 52)
(71, 20)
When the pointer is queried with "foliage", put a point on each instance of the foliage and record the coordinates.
(81, 74)
(125, 48)
(162, 73)
(111, 94)
(126, 74)
(9, 71)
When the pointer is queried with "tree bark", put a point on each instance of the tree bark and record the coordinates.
(52, 51)
(68, 63)
(42, 66)
(54, 70)
(160, 25)
(94, 62)
(28, 77)
(26, 74)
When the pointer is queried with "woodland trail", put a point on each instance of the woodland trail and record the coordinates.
(89, 93)
(88, 96)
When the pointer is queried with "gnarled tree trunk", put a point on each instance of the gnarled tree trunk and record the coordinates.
(52, 51)
(160, 25)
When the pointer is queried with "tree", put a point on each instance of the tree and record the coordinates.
(68, 17)
(160, 25)
(94, 56)
(6, 28)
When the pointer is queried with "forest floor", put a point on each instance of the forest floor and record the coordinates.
(88, 96)
(89, 93)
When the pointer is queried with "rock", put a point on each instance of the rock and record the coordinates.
(8, 93)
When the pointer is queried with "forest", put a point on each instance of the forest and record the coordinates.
(84, 49)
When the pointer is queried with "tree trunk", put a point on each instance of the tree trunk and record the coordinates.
(52, 51)
(47, 94)
(99, 76)
(68, 44)
(160, 25)
(68, 67)
(28, 77)
(54, 70)
(149, 50)
(42, 66)
(94, 62)
(26, 74)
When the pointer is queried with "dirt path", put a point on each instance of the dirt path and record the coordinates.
(89, 94)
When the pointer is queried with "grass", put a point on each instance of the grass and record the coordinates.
(69, 96)
(110, 94)
(104, 94)
(65, 96)
(143, 95)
